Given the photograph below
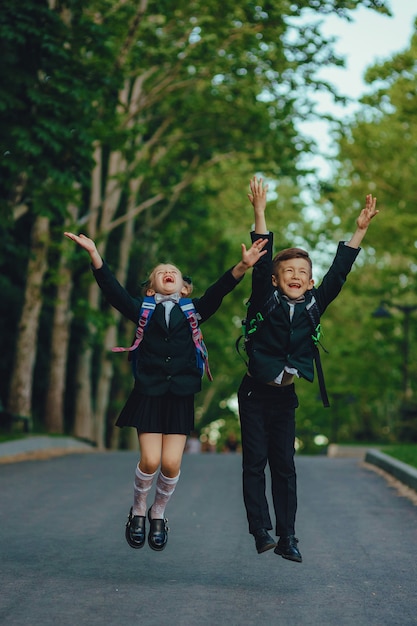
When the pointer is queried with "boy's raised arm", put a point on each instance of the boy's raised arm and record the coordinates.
(363, 221)
(257, 198)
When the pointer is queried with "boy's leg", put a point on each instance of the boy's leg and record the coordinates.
(254, 456)
(281, 462)
(283, 474)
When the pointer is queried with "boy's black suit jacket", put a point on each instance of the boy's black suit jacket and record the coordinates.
(279, 341)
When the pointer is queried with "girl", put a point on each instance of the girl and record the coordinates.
(161, 404)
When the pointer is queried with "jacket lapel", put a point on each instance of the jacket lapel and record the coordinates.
(300, 307)
(177, 316)
(159, 316)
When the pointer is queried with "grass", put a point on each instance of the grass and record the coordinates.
(11, 436)
(407, 453)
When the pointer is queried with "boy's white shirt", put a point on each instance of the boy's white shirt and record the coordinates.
(290, 370)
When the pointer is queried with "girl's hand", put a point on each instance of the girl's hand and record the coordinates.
(87, 244)
(251, 256)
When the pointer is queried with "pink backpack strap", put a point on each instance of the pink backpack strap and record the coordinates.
(187, 307)
(146, 311)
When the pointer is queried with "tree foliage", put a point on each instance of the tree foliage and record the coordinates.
(377, 154)
(141, 123)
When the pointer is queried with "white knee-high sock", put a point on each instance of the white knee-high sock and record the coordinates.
(165, 487)
(142, 486)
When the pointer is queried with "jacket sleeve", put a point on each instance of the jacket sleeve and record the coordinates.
(262, 271)
(211, 300)
(335, 278)
(115, 294)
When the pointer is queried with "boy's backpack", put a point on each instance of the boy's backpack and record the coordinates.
(187, 307)
(312, 309)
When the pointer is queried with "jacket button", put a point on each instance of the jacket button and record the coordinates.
(167, 360)
(169, 377)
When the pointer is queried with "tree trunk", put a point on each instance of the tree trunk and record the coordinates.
(54, 405)
(106, 369)
(55, 396)
(104, 385)
(84, 423)
(21, 385)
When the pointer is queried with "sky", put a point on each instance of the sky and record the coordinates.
(369, 38)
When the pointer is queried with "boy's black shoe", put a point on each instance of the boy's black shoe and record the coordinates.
(158, 533)
(263, 540)
(135, 532)
(287, 548)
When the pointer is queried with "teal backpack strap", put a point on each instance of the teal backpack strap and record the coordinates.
(187, 307)
(252, 324)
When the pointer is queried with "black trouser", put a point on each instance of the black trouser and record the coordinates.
(267, 417)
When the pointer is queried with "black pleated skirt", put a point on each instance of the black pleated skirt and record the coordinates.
(167, 414)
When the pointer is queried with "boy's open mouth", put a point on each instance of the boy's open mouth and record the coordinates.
(168, 279)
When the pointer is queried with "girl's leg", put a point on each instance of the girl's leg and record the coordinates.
(151, 447)
(142, 486)
(150, 459)
(172, 451)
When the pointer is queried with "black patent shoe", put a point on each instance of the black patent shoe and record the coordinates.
(287, 548)
(263, 540)
(135, 532)
(158, 533)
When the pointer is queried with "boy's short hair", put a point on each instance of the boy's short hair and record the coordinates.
(291, 253)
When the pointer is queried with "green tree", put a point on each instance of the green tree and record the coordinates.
(46, 134)
(377, 154)
(126, 107)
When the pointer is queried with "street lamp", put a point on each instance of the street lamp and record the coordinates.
(406, 310)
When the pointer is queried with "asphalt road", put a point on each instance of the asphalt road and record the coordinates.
(64, 559)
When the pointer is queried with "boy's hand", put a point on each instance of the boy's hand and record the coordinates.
(257, 198)
(258, 193)
(363, 221)
(367, 213)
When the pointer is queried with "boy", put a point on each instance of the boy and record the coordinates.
(279, 350)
